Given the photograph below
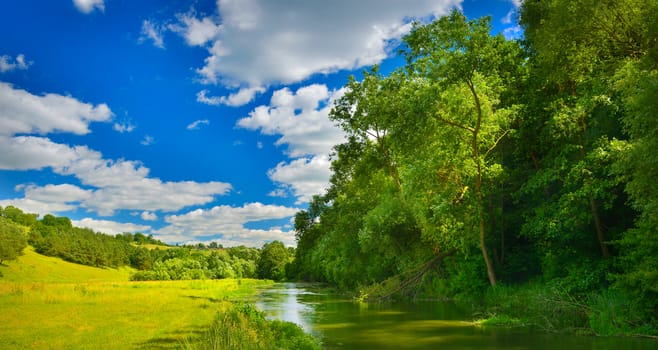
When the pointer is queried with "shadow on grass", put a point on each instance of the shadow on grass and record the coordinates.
(173, 340)
(212, 300)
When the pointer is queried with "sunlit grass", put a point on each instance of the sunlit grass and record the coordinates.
(33, 267)
(111, 315)
(46, 303)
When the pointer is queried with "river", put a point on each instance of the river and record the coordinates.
(343, 324)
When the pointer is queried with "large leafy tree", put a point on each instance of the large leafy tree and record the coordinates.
(273, 259)
(465, 72)
(13, 240)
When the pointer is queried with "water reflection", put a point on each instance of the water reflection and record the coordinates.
(343, 324)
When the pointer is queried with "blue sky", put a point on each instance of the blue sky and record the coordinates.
(192, 121)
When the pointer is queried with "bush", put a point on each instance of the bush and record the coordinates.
(242, 326)
(549, 307)
(614, 313)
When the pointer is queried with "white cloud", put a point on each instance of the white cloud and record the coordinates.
(124, 126)
(279, 192)
(513, 32)
(148, 216)
(304, 177)
(110, 227)
(87, 6)
(153, 32)
(28, 205)
(147, 140)
(240, 98)
(230, 223)
(260, 42)
(115, 185)
(517, 3)
(49, 199)
(196, 32)
(65, 193)
(508, 17)
(195, 125)
(7, 64)
(301, 118)
(34, 153)
(23, 112)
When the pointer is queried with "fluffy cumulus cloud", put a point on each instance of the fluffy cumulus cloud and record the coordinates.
(302, 120)
(8, 64)
(29, 205)
(113, 185)
(23, 112)
(108, 185)
(148, 216)
(229, 223)
(88, 6)
(197, 32)
(110, 227)
(256, 43)
(302, 177)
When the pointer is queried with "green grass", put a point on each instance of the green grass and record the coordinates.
(47, 303)
(33, 267)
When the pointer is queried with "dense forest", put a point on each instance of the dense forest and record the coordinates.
(518, 172)
(152, 259)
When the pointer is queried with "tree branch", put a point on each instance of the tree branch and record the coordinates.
(495, 143)
(449, 122)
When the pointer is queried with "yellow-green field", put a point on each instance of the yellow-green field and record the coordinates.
(46, 303)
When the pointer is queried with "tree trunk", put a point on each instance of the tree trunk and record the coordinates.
(600, 235)
(478, 185)
(487, 260)
(483, 247)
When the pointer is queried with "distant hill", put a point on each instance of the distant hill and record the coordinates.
(34, 267)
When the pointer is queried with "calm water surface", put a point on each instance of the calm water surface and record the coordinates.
(343, 324)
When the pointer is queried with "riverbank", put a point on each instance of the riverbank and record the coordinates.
(552, 308)
(342, 323)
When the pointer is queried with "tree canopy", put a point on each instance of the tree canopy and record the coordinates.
(485, 160)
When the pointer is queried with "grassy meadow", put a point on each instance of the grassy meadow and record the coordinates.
(47, 303)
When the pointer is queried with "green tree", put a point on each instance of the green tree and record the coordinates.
(273, 260)
(468, 71)
(13, 240)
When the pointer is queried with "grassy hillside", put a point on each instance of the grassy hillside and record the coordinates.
(33, 267)
(47, 303)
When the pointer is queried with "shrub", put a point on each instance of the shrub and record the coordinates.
(242, 326)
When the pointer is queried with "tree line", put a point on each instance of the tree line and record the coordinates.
(153, 259)
(485, 161)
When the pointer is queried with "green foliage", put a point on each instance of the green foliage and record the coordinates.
(190, 263)
(272, 263)
(613, 312)
(16, 215)
(242, 326)
(546, 306)
(13, 240)
(57, 237)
